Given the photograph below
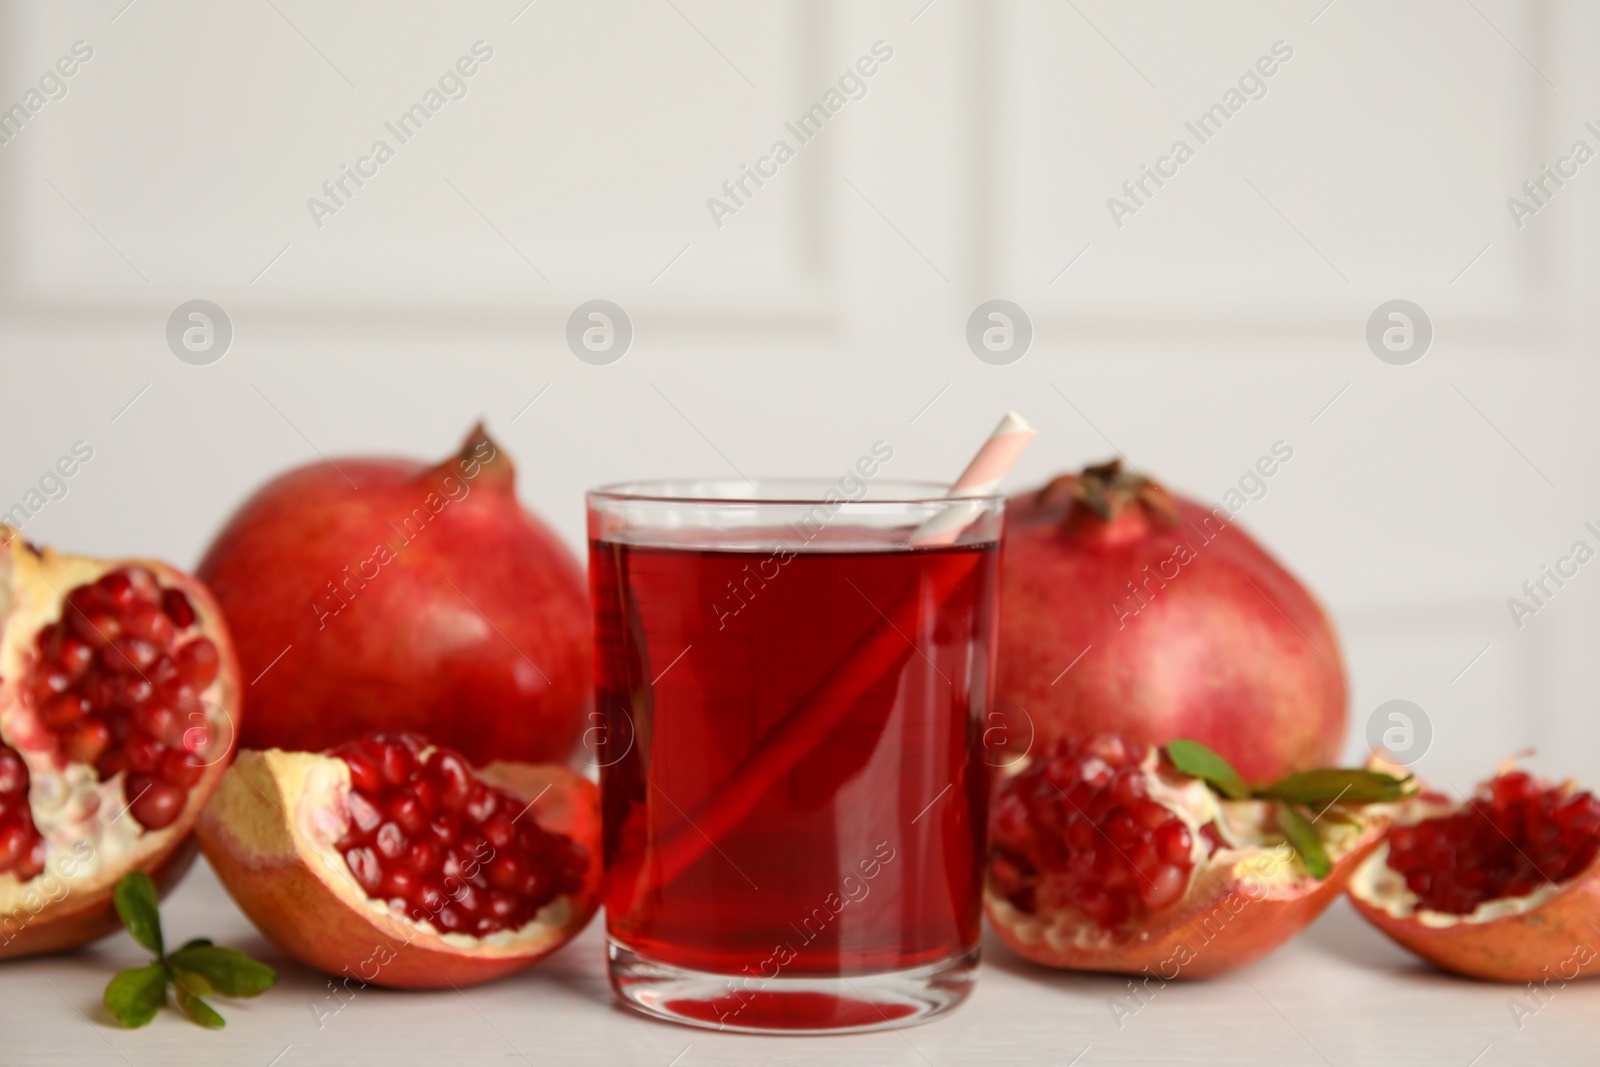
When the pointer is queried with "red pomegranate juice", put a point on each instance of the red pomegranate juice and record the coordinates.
(791, 761)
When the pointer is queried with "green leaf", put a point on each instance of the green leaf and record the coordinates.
(199, 1011)
(1335, 784)
(225, 970)
(135, 898)
(136, 994)
(1304, 837)
(191, 982)
(196, 942)
(1193, 758)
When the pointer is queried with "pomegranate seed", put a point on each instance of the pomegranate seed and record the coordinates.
(1163, 886)
(49, 683)
(441, 844)
(198, 662)
(156, 720)
(400, 883)
(423, 857)
(131, 655)
(15, 841)
(117, 588)
(1514, 837)
(129, 691)
(182, 769)
(70, 654)
(481, 802)
(13, 775)
(391, 840)
(430, 898)
(467, 900)
(178, 608)
(364, 865)
(442, 829)
(162, 671)
(32, 863)
(505, 871)
(363, 775)
(65, 710)
(154, 803)
(391, 758)
(86, 741)
(1175, 843)
(1078, 829)
(180, 697)
(144, 754)
(501, 906)
(100, 687)
(362, 813)
(409, 813)
(148, 622)
(98, 630)
(454, 777)
(498, 832)
(108, 688)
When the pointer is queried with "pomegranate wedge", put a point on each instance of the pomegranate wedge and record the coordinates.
(393, 862)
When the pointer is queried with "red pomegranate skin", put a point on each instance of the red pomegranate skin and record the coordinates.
(1221, 644)
(402, 597)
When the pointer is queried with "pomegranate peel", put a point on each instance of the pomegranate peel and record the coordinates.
(1504, 886)
(1107, 857)
(119, 694)
(273, 833)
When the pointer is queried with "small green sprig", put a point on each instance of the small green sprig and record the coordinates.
(197, 970)
(1295, 794)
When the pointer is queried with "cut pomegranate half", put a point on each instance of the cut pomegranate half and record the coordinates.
(119, 698)
(393, 862)
(1104, 857)
(1503, 886)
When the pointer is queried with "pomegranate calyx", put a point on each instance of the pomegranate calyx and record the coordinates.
(1106, 491)
(480, 461)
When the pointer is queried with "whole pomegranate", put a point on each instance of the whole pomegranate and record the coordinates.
(119, 693)
(392, 861)
(1125, 608)
(1104, 856)
(383, 594)
(1503, 886)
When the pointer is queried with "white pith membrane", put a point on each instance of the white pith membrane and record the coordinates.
(321, 817)
(90, 838)
(1376, 883)
(1254, 860)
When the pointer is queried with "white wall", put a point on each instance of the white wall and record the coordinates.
(1224, 315)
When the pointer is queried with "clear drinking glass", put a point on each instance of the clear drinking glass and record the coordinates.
(793, 687)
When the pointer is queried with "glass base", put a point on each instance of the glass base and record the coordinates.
(751, 1004)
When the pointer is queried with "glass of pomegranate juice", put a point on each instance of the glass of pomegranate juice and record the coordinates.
(791, 679)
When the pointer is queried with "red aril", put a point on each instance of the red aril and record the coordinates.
(384, 594)
(1125, 608)
(1502, 886)
(1104, 857)
(118, 701)
(458, 875)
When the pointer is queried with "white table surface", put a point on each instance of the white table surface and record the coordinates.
(1340, 994)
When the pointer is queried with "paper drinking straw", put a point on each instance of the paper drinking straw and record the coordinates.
(799, 732)
(981, 477)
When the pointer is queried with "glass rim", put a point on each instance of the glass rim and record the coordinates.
(676, 491)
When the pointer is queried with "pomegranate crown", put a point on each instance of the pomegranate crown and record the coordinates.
(1105, 490)
(480, 455)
